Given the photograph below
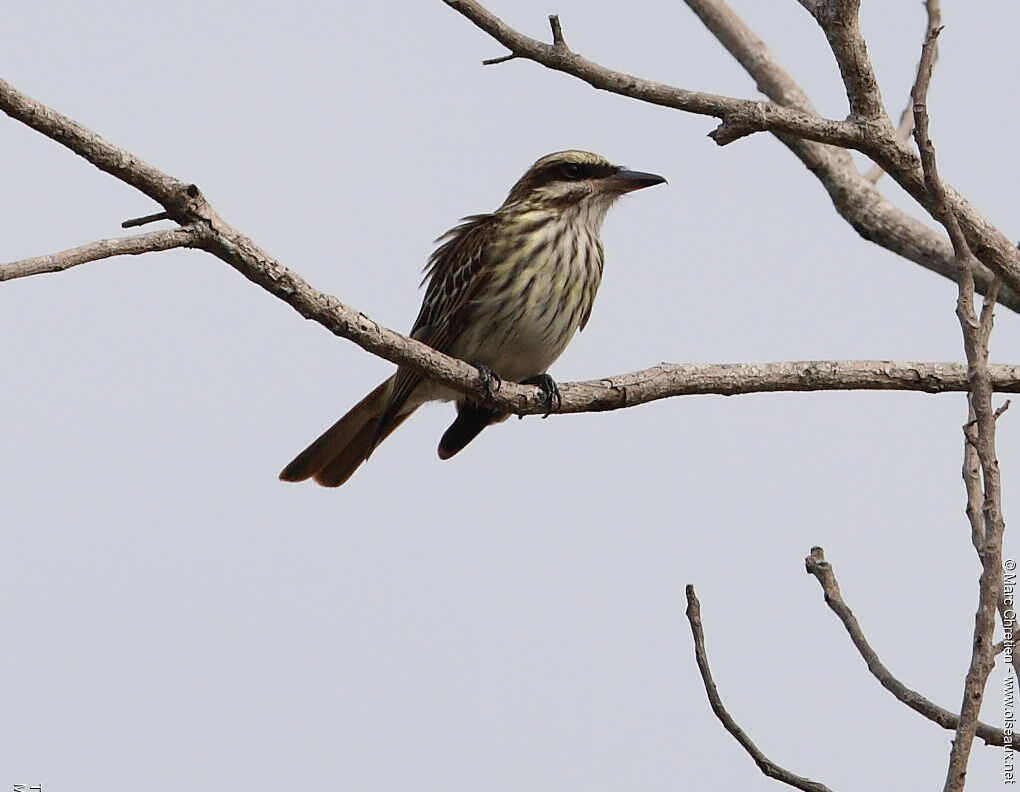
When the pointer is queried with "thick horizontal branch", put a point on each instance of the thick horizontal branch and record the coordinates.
(821, 569)
(731, 379)
(152, 242)
(872, 134)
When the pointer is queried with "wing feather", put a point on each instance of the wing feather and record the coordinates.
(455, 274)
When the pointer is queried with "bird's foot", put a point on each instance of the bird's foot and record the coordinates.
(491, 381)
(550, 392)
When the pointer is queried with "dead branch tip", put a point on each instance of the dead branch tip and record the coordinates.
(500, 59)
(557, 31)
(140, 221)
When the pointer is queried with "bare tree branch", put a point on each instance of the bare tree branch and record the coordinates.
(838, 20)
(870, 133)
(972, 480)
(752, 53)
(987, 524)
(766, 765)
(740, 117)
(841, 25)
(557, 31)
(730, 379)
(854, 196)
(152, 242)
(905, 127)
(822, 570)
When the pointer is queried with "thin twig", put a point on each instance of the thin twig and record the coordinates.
(140, 221)
(500, 59)
(104, 248)
(766, 765)
(557, 31)
(817, 565)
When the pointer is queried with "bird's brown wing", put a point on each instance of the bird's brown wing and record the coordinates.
(455, 275)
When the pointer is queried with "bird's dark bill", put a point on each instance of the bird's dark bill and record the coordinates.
(629, 180)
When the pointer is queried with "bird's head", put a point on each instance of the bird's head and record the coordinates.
(577, 178)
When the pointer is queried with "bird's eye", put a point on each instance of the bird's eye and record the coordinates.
(572, 170)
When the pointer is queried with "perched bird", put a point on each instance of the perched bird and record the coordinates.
(506, 292)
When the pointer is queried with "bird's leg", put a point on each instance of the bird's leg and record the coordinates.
(550, 392)
(489, 379)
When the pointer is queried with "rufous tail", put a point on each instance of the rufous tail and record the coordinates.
(340, 450)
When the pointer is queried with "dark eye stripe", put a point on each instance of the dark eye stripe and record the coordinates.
(572, 171)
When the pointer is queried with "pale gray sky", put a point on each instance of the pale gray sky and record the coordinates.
(175, 617)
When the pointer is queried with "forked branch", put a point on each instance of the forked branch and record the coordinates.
(867, 130)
